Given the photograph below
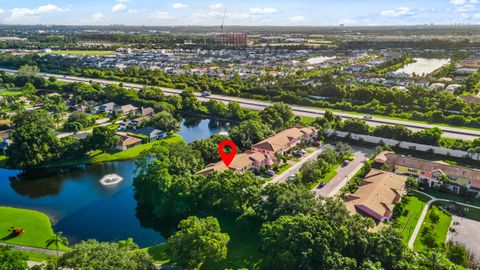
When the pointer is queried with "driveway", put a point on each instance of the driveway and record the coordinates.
(343, 175)
(280, 178)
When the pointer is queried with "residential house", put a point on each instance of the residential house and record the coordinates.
(240, 164)
(285, 140)
(377, 195)
(263, 153)
(149, 111)
(107, 107)
(128, 109)
(432, 173)
(126, 141)
(152, 134)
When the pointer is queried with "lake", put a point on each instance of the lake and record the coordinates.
(423, 66)
(82, 208)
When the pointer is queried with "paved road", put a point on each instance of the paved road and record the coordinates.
(424, 214)
(280, 178)
(33, 249)
(449, 132)
(343, 175)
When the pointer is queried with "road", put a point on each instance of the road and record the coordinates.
(33, 249)
(281, 178)
(449, 132)
(344, 174)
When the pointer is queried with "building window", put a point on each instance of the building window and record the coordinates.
(412, 170)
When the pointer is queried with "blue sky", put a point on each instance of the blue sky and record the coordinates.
(240, 12)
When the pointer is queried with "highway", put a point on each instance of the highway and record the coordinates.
(448, 132)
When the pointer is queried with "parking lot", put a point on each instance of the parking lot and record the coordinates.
(467, 233)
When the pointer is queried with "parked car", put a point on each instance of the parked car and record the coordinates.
(205, 94)
(317, 143)
(322, 184)
(345, 163)
(297, 155)
(368, 117)
(270, 173)
(292, 177)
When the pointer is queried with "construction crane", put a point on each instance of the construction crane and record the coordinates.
(223, 20)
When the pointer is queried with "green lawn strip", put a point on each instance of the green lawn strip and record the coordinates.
(452, 197)
(37, 226)
(10, 92)
(83, 52)
(328, 177)
(132, 152)
(37, 257)
(440, 229)
(413, 207)
(3, 161)
(159, 253)
(97, 156)
(283, 168)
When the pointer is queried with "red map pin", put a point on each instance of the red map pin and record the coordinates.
(227, 157)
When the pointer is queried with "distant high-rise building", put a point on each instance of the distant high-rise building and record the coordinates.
(232, 39)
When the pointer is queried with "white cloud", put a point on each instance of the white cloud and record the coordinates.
(297, 19)
(458, 2)
(159, 15)
(476, 16)
(95, 18)
(123, 1)
(29, 15)
(216, 6)
(119, 7)
(263, 10)
(2, 11)
(179, 5)
(473, 1)
(465, 8)
(130, 11)
(401, 11)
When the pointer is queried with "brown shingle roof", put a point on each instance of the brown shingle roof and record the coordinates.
(282, 139)
(377, 194)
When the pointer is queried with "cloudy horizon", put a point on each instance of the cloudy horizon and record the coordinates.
(247, 13)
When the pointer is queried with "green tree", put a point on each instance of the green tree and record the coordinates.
(103, 138)
(128, 244)
(28, 71)
(94, 255)
(249, 132)
(164, 121)
(33, 140)
(278, 116)
(198, 240)
(11, 259)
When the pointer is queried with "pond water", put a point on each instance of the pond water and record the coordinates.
(82, 208)
(423, 66)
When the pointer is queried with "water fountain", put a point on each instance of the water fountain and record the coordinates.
(111, 179)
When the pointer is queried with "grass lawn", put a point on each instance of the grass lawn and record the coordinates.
(412, 211)
(84, 52)
(3, 161)
(466, 212)
(440, 229)
(441, 195)
(12, 92)
(283, 168)
(37, 226)
(328, 177)
(98, 156)
(159, 253)
(38, 257)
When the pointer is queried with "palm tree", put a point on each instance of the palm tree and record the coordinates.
(57, 240)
